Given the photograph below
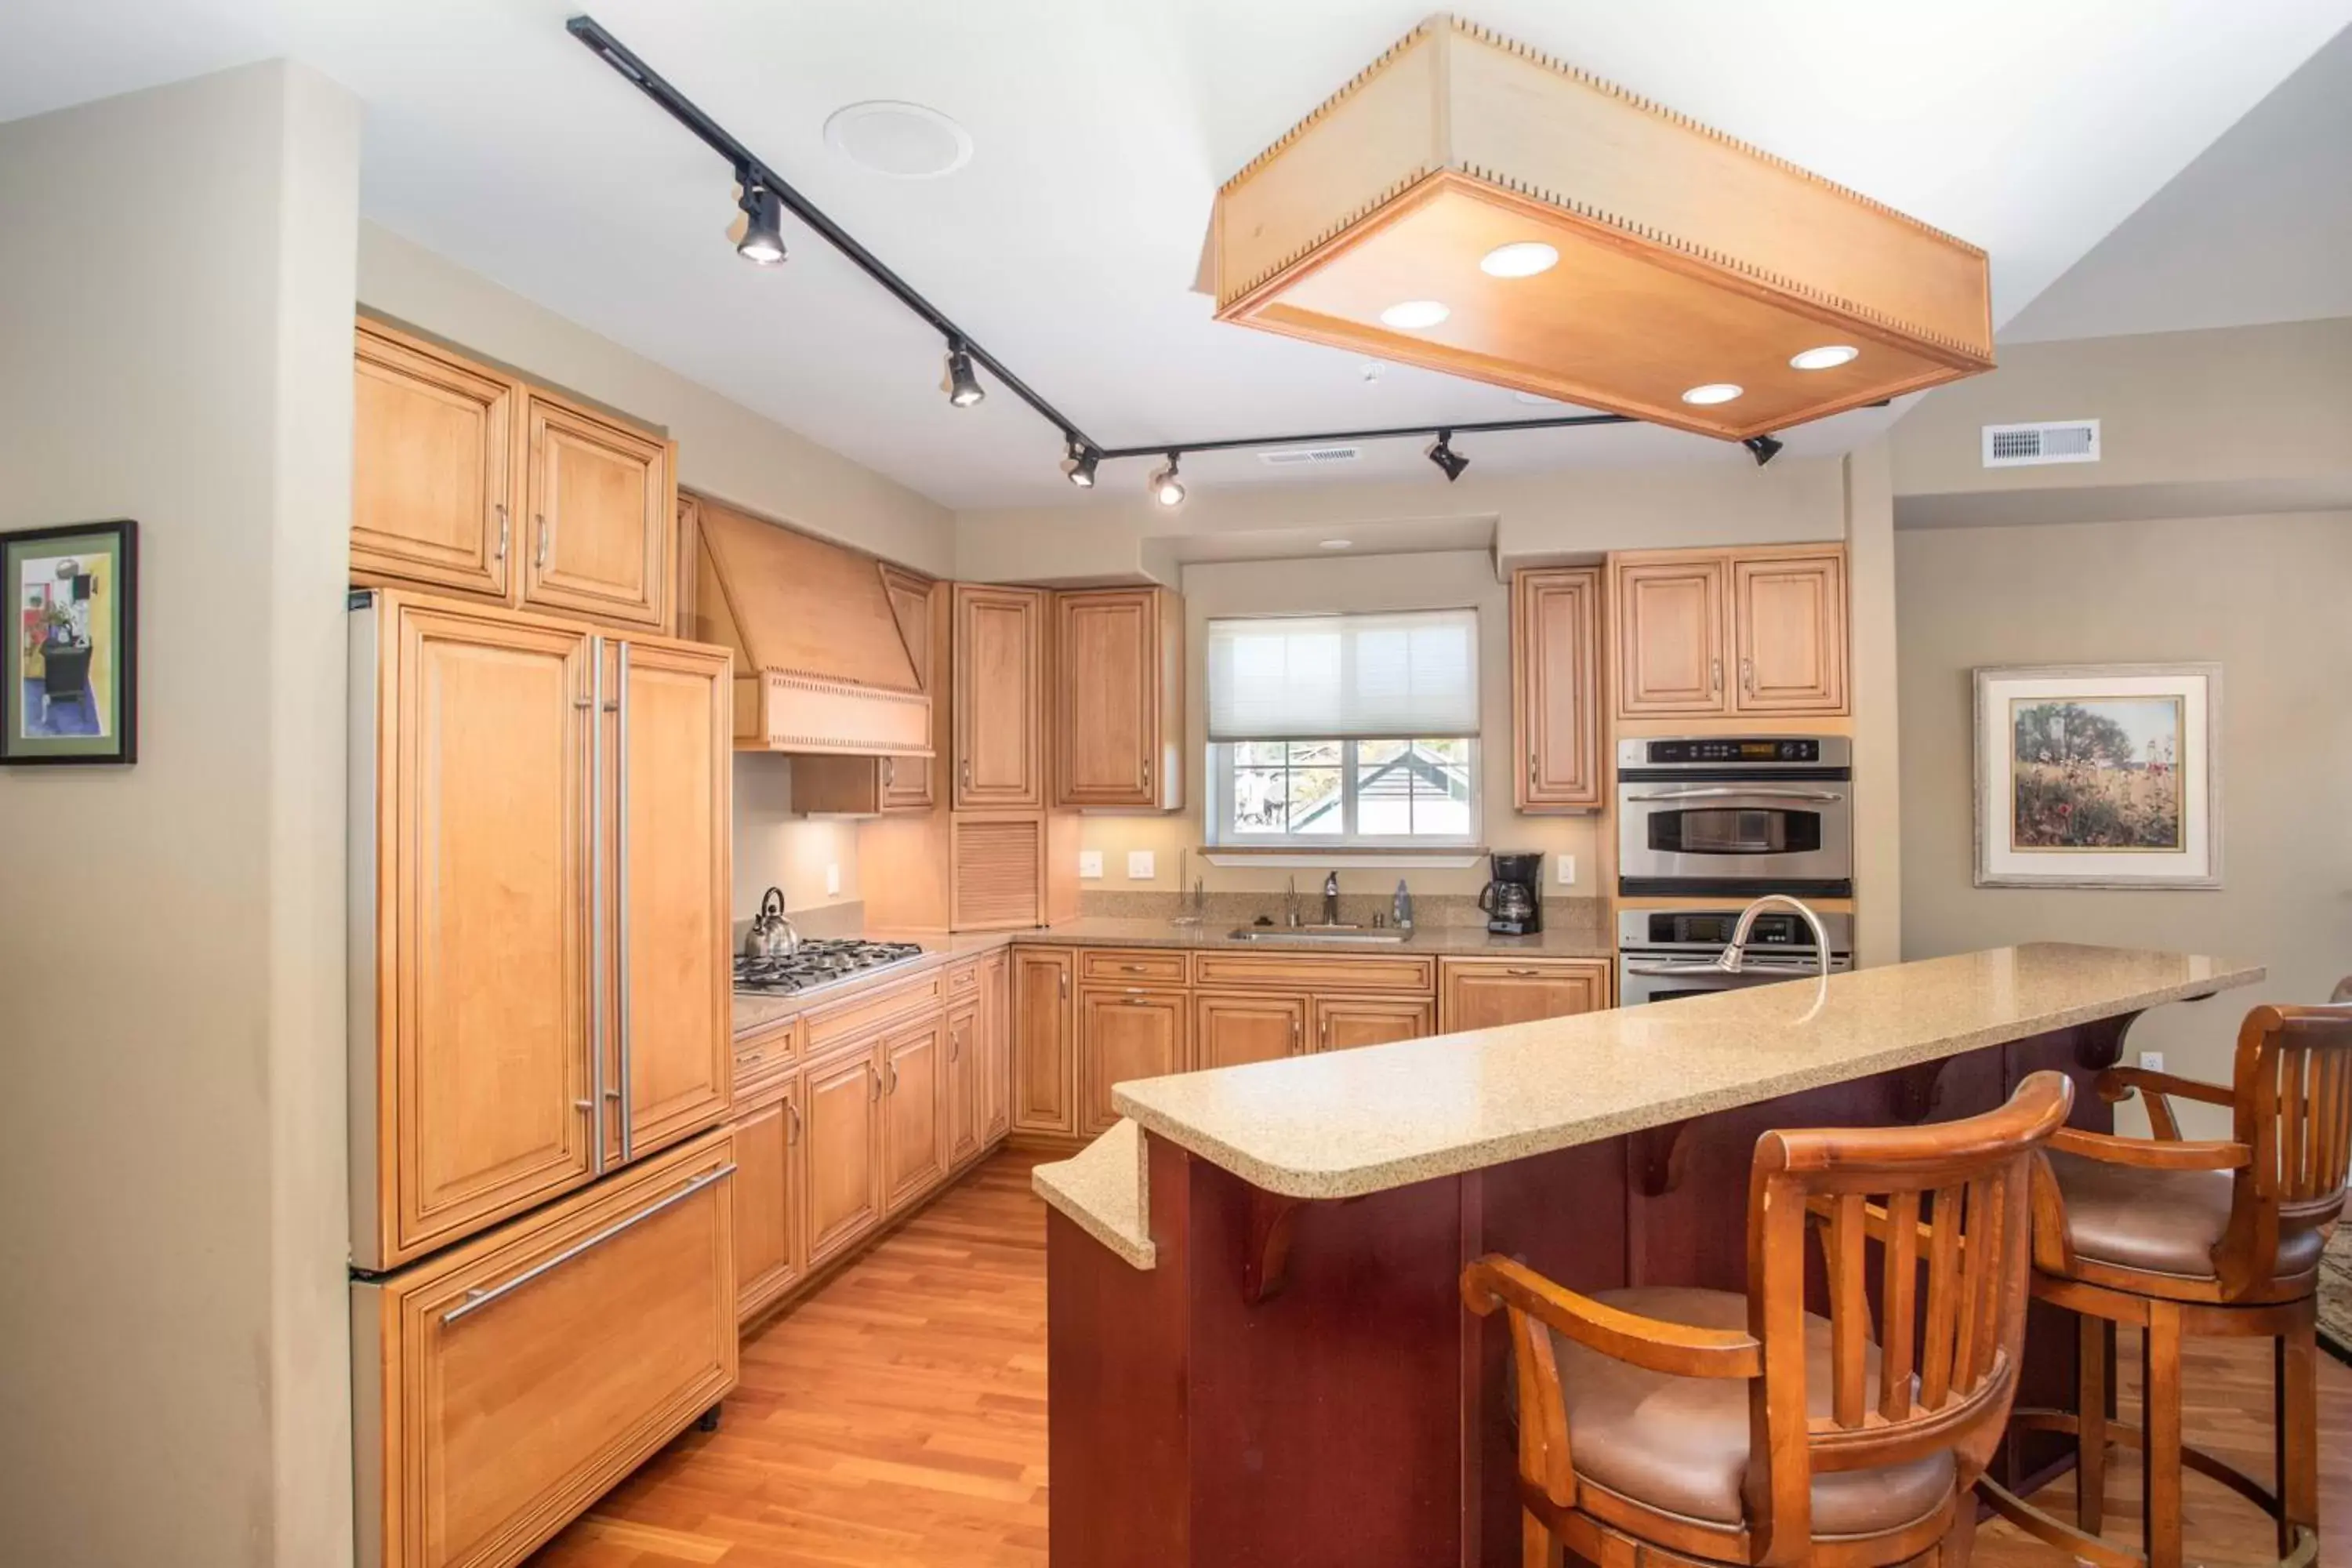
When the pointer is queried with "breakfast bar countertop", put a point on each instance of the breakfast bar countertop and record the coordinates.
(1346, 1123)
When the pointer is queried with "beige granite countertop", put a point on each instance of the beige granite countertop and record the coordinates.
(1346, 1123)
(1105, 1187)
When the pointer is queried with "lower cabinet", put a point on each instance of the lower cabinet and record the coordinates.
(963, 1071)
(1343, 1022)
(1484, 993)
(843, 1111)
(1228, 1031)
(504, 1384)
(995, 1046)
(770, 1231)
(914, 1135)
(1123, 1033)
(1044, 1059)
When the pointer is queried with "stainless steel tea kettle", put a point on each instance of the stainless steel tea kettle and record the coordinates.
(772, 935)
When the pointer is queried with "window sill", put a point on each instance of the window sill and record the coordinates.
(1449, 857)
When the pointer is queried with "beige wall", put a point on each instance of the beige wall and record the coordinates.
(1876, 704)
(775, 848)
(2263, 595)
(172, 1151)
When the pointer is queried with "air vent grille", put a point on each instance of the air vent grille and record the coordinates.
(2058, 441)
(1307, 457)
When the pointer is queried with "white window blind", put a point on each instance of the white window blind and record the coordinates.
(1411, 675)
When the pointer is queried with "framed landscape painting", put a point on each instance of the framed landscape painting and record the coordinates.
(2098, 776)
(71, 681)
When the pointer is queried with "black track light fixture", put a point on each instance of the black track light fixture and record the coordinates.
(1449, 462)
(1078, 462)
(762, 240)
(963, 387)
(1166, 487)
(1766, 447)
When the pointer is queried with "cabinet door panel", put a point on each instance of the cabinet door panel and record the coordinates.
(1670, 618)
(1789, 616)
(844, 1158)
(432, 442)
(1228, 1031)
(906, 781)
(1485, 994)
(1555, 655)
(603, 514)
(672, 928)
(1106, 684)
(1344, 1023)
(914, 1135)
(1045, 1067)
(768, 1249)
(1124, 1034)
(482, 973)
(964, 1111)
(999, 696)
(996, 1049)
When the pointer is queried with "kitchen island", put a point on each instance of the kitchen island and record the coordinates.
(1257, 1352)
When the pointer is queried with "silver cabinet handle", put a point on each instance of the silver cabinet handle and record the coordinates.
(1715, 674)
(595, 706)
(1531, 770)
(502, 531)
(894, 1078)
(890, 771)
(1526, 973)
(1748, 676)
(1131, 969)
(621, 874)
(1294, 1031)
(478, 1298)
(1819, 796)
(793, 1136)
(967, 773)
(541, 519)
(1147, 772)
(1066, 984)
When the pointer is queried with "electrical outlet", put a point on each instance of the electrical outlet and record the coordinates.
(1141, 866)
(1090, 865)
(833, 878)
(2151, 1061)
(1567, 870)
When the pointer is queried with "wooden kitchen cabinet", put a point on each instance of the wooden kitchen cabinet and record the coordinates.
(887, 786)
(601, 502)
(1789, 620)
(432, 465)
(914, 1130)
(1045, 1059)
(506, 1384)
(842, 1101)
(1344, 1023)
(995, 1047)
(1123, 1034)
(1484, 993)
(998, 658)
(1228, 1031)
(1555, 687)
(962, 1070)
(770, 1248)
(1760, 631)
(1119, 694)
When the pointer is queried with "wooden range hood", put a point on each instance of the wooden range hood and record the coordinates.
(1686, 259)
(821, 665)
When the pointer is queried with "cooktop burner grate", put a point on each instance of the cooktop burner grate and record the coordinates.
(819, 962)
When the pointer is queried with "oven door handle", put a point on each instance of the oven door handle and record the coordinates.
(1822, 796)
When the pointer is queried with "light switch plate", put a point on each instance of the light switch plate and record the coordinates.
(1090, 865)
(2151, 1061)
(833, 878)
(1141, 866)
(1567, 870)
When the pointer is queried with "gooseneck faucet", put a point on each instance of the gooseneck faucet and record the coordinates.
(1735, 953)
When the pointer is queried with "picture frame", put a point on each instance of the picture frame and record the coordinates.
(2098, 775)
(69, 689)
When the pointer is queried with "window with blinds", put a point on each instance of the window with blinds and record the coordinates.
(1344, 731)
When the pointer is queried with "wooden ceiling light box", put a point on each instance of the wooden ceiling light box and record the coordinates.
(1686, 260)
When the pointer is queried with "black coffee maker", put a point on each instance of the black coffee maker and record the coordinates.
(1514, 900)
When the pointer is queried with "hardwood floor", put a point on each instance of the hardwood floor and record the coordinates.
(898, 1418)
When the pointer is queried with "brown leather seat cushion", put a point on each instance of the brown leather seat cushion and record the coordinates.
(2163, 1222)
(1680, 1444)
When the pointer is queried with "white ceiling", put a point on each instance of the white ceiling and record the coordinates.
(1102, 129)
(2258, 228)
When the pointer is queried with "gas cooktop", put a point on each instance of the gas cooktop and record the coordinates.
(820, 963)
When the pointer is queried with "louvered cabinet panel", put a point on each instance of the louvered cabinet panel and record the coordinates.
(1000, 873)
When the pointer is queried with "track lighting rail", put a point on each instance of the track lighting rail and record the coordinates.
(753, 174)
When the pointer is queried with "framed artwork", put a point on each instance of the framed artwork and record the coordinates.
(2105, 775)
(71, 686)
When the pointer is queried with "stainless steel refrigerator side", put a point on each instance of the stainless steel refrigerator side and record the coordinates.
(365, 633)
(367, 1423)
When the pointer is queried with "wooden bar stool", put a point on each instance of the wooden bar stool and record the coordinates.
(2183, 1237)
(1664, 1426)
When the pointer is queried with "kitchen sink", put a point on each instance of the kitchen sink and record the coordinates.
(1372, 936)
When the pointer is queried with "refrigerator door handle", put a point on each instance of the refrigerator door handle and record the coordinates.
(620, 875)
(479, 1298)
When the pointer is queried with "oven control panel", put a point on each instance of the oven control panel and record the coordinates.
(1732, 749)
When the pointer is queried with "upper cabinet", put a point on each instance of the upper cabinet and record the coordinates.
(1710, 632)
(1555, 687)
(1000, 695)
(1119, 696)
(465, 480)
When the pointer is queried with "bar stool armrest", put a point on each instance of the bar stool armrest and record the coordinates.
(1652, 1343)
(2160, 1089)
(2153, 1154)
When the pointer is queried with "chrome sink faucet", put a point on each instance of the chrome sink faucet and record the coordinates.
(1737, 953)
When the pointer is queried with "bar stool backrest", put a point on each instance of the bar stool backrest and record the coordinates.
(2292, 1094)
(1949, 1204)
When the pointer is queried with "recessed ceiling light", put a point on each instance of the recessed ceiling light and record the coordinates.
(1713, 391)
(1827, 357)
(904, 140)
(1412, 315)
(1524, 259)
(1337, 543)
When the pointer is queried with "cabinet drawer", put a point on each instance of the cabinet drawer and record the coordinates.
(963, 980)
(1309, 971)
(504, 1385)
(847, 1020)
(1124, 967)
(766, 1057)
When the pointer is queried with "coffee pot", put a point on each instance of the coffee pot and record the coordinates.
(1513, 900)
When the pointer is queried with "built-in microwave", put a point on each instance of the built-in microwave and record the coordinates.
(1736, 815)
